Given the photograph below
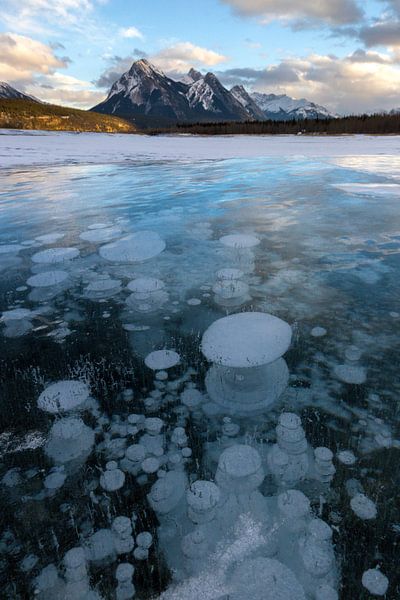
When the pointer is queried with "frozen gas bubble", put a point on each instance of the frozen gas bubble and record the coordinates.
(55, 480)
(363, 507)
(10, 248)
(375, 582)
(353, 353)
(229, 274)
(150, 465)
(264, 579)
(202, 498)
(100, 235)
(228, 428)
(167, 492)
(124, 572)
(193, 301)
(47, 279)
(159, 360)
(112, 478)
(318, 331)
(55, 255)
(69, 439)
(12, 477)
(29, 562)
(144, 539)
(16, 314)
(346, 457)
(239, 466)
(145, 285)
(47, 579)
(394, 314)
(153, 425)
(100, 546)
(293, 504)
(136, 247)
(63, 396)
(161, 375)
(100, 288)
(135, 453)
(141, 553)
(50, 238)
(135, 327)
(227, 289)
(192, 398)
(239, 240)
(326, 592)
(246, 339)
(350, 374)
(320, 530)
(98, 225)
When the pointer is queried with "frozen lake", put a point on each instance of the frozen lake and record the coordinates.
(250, 454)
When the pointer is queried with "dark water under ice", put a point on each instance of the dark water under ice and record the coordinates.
(328, 257)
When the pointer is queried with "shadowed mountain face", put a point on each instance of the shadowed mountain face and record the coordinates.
(145, 90)
(144, 93)
(242, 96)
(7, 92)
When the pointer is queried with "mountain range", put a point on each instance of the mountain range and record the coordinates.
(7, 92)
(145, 93)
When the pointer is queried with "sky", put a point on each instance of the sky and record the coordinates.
(343, 54)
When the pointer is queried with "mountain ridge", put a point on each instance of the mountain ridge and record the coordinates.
(8, 92)
(145, 91)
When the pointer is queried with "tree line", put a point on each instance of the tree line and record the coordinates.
(379, 124)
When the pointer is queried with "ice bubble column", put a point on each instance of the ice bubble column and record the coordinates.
(229, 290)
(317, 556)
(76, 576)
(241, 245)
(122, 530)
(248, 373)
(125, 588)
(239, 469)
(167, 499)
(70, 442)
(288, 459)
(324, 468)
(202, 498)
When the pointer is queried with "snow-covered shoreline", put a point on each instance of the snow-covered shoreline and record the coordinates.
(30, 148)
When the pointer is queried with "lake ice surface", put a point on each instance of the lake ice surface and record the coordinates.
(290, 455)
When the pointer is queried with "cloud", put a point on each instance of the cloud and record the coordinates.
(174, 60)
(22, 57)
(333, 12)
(131, 32)
(381, 33)
(353, 84)
(59, 88)
(366, 56)
(274, 75)
(394, 5)
(179, 57)
(33, 67)
(35, 16)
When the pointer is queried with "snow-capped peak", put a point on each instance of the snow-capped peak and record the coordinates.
(10, 93)
(276, 106)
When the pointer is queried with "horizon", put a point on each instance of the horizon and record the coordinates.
(343, 55)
